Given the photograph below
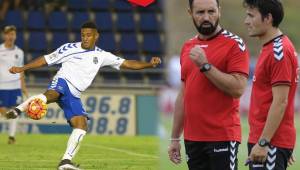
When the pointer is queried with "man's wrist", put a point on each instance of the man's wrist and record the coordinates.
(263, 142)
(175, 139)
(205, 67)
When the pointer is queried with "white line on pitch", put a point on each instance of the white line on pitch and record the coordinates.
(122, 150)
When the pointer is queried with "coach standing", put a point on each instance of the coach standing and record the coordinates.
(271, 116)
(214, 71)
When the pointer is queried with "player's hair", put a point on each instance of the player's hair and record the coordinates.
(89, 24)
(265, 7)
(192, 1)
(9, 28)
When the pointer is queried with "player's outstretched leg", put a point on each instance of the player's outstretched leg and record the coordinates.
(79, 124)
(48, 97)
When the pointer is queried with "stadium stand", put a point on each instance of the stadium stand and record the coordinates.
(131, 32)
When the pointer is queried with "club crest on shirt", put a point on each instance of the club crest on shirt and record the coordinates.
(95, 60)
(16, 56)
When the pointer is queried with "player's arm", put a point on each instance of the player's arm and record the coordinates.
(232, 84)
(37, 63)
(177, 129)
(137, 65)
(23, 84)
(276, 112)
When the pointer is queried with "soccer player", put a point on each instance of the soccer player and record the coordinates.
(80, 64)
(271, 115)
(11, 85)
(214, 71)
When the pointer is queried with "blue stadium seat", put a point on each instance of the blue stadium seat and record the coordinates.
(134, 77)
(58, 39)
(14, 18)
(152, 43)
(20, 40)
(58, 21)
(110, 77)
(125, 21)
(36, 20)
(77, 5)
(104, 21)
(148, 22)
(98, 5)
(131, 56)
(156, 78)
(37, 41)
(156, 6)
(78, 19)
(128, 43)
(121, 5)
(107, 42)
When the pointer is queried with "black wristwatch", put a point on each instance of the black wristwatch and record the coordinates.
(263, 142)
(205, 67)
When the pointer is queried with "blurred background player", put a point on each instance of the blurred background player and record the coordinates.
(272, 133)
(80, 64)
(214, 67)
(11, 85)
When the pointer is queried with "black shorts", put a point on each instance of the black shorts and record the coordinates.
(211, 155)
(277, 159)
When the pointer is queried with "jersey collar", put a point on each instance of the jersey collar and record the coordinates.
(267, 43)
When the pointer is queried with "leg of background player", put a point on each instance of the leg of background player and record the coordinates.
(79, 124)
(12, 131)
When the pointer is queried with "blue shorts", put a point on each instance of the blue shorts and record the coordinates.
(10, 98)
(72, 106)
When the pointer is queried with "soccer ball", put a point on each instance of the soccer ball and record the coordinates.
(37, 109)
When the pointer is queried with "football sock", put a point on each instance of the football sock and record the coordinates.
(12, 127)
(74, 143)
(22, 107)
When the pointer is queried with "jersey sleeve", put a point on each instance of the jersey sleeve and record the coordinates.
(56, 57)
(183, 70)
(21, 61)
(238, 60)
(112, 61)
(281, 70)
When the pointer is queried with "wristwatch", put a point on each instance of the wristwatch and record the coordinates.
(205, 67)
(263, 142)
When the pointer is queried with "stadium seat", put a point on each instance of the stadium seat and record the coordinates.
(134, 77)
(14, 18)
(110, 76)
(58, 21)
(78, 5)
(130, 56)
(78, 19)
(128, 43)
(156, 6)
(98, 5)
(58, 39)
(36, 20)
(121, 5)
(104, 21)
(156, 77)
(107, 42)
(125, 21)
(152, 43)
(20, 40)
(37, 41)
(148, 22)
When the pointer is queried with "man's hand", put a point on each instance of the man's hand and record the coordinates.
(174, 152)
(292, 160)
(258, 154)
(155, 61)
(15, 70)
(198, 56)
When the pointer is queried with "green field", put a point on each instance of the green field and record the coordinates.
(167, 165)
(43, 152)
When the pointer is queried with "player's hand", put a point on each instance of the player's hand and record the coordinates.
(174, 152)
(15, 70)
(155, 61)
(198, 56)
(258, 154)
(292, 160)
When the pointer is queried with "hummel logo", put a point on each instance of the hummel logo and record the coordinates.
(203, 46)
(220, 150)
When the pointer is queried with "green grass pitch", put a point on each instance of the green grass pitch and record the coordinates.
(43, 152)
(242, 155)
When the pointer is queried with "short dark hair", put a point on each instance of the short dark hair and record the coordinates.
(192, 1)
(9, 28)
(265, 7)
(89, 24)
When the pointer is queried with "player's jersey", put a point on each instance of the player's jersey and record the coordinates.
(277, 64)
(80, 66)
(8, 58)
(210, 114)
